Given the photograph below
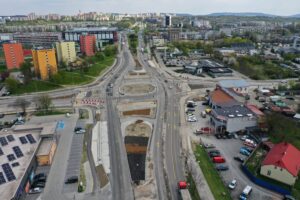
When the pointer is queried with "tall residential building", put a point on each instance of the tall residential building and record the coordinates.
(168, 21)
(65, 52)
(44, 61)
(88, 44)
(13, 55)
(38, 38)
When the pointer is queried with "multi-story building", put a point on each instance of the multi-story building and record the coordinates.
(37, 39)
(168, 21)
(13, 55)
(103, 35)
(65, 52)
(44, 61)
(88, 44)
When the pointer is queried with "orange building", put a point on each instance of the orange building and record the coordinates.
(88, 44)
(44, 61)
(13, 55)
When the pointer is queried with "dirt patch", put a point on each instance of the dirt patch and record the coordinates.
(136, 149)
(137, 112)
(134, 89)
(139, 128)
(101, 175)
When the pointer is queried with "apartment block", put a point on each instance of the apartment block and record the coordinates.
(13, 55)
(44, 61)
(65, 52)
(88, 44)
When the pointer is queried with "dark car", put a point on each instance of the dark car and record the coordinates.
(237, 158)
(218, 136)
(1, 115)
(214, 151)
(229, 136)
(205, 103)
(288, 197)
(72, 179)
(222, 167)
(214, 154)
(40, 179)
(37, 176)
(38, 184)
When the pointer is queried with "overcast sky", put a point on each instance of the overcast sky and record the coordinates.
(278, 7)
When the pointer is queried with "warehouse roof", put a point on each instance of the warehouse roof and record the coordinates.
(233, 83)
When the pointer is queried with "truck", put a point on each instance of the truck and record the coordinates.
(183, 191)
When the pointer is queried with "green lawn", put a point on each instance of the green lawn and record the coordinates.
(36, 86)
(70, 78)
(212, 177)
(52, 112)
(96, 69)
(192, 188)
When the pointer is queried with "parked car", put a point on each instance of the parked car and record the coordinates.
(218, 159)
(222, 167)
(72, 179)
(38, 184)
(290, 98)
(244, 152)
(248, 149)
(203, 114)
(237, 158)
(288, 197)
(232, 184)
(205, 103)
(218, 136)
(244, 137)
(250, 143)
(214, 154)
(37, 176)
(192, 119)
(40, 179)
(79, 130)
(35, 190)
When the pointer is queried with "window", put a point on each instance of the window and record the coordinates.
(269, 173)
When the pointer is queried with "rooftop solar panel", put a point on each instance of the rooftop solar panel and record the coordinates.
(10, 176)
(23, 140)
(16, 164)
(30, 138)
(3, 141)
(10, 138)
(18, 151)
(11, 157)
(2, 179)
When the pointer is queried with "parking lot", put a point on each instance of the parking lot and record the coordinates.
(228, 148)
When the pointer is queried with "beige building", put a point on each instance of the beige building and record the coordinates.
(65, 52)
(46, 152)
(44, 61)
(282, 163)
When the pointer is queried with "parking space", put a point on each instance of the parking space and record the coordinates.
(229, 148)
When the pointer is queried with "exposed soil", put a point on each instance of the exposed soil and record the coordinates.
(139, 128)
(137, 112)
(133, 89)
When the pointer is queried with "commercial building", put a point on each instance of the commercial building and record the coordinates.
(37, 39)
(65, 52)
(215, 69)
(88, 45)
(44, 61)
(103, 35)
(13, 55)
(173, 34)
(282, 163)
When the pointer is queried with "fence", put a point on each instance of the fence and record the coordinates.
(263, 183)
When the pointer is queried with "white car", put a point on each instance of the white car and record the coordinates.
(232, 184)
(192, 119)
(244, 137)
(35, 190)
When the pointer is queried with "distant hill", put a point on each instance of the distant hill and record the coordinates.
(295, 16)
(242, 14)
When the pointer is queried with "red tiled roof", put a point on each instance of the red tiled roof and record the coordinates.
(254, 109)
(220, 97)
(286, 156)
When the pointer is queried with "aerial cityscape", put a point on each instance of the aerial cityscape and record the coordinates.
(140, 100)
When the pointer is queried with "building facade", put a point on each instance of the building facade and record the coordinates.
(65, 52)
(88, 44)
(46, 152)
(37, 39)
(44, 61)
(13, 55)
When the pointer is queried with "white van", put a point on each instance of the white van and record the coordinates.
(246, 193)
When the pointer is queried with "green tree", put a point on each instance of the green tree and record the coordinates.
(25, 69)
(44, 103)
(11, 84)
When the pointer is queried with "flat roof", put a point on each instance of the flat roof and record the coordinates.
(234, 111)
(45, 128)
(9, 188)
(45, 146)
(233, 83)
(91, 29)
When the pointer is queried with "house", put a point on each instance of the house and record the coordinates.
(233, 119)
(282, 163)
